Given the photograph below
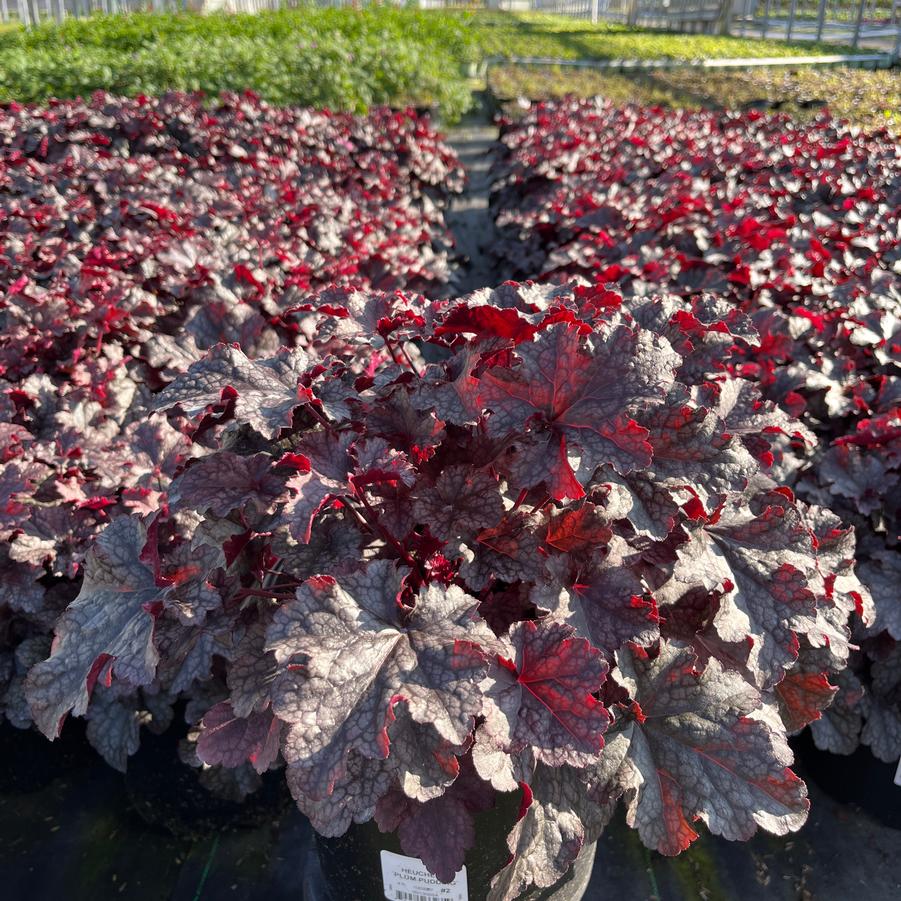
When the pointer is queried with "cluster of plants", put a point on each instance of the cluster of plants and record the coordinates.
(868, 98)
(797, 227)
(344, 59)
(531, 34)
(579, 544)
(526, 541)
(350, 59)
(532, 542)
(876, 11)
(134, 236)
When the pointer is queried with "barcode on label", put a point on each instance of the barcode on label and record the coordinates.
(400, 895)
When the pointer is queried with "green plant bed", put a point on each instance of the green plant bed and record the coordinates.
(346, 59)
(839, 11)
(341, 58)
(871, 99)
(561, 37)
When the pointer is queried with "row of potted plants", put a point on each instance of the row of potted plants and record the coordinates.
(135, 235)
(797, 225)
(472, 571)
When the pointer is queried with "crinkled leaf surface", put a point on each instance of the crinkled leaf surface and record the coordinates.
(330, 467)
(113, 725)
(764, 563)
(225, 481)
(362, 653)
(107, 631)
(267, 391)
(459, 503)
(586, 391)
(606, 602)
(696, 752)
(543, 697)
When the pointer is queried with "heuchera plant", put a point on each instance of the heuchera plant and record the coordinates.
(135, 234)
(515, 542)
(797, 226)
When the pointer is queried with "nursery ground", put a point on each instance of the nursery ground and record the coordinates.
(468, 217)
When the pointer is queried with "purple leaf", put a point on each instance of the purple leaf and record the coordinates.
(266, 391)
(361, 649)
(543, 698)
(107, 631)
(695, 751)
(224, 482)
(229, 740)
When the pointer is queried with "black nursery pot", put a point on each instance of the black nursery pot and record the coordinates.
(349, 868)
(32, 763)
(857, 778)
(168, 794)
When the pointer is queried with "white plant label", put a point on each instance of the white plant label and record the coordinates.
(407, 879)
(898, 774)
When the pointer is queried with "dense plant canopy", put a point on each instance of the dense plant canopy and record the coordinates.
(554, 560)
(339, 58)
(799, 227)
(539, 34)
(135, 235)
(866, 97)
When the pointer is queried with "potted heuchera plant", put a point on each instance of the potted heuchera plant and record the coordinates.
(490, 595)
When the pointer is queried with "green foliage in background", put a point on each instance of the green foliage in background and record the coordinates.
(347, 59)
(869, 99)
(561, 37)
(341, 58)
